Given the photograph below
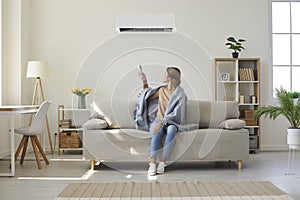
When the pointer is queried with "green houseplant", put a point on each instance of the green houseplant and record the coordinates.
(81, 93)
(295, 95)
(288, 109)
(235, 45)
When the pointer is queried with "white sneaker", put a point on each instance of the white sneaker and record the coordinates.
(161, 168)
(152, 169)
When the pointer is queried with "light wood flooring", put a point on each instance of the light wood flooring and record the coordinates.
(47, 183)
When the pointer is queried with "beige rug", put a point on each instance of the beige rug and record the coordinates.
(243, 190)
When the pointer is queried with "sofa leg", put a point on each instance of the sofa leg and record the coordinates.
(240, 164)
(92, 164)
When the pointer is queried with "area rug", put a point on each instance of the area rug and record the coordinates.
(242, 190)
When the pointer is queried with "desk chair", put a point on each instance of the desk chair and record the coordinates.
(37, 126)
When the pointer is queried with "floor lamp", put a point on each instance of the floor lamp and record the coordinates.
(38, 70)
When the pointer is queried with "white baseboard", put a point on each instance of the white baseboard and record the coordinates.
(274, 148)
(4, 153)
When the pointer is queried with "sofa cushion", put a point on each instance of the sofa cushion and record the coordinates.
(205, 113)
(120, 112)
(232, 124)
(214, 112)
(192, 112)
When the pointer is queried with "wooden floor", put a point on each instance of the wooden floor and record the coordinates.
(47, 183)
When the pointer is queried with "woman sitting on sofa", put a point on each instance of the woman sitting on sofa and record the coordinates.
(169, 114)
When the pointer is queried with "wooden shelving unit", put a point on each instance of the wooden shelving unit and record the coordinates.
(243, 85)
(69, 129)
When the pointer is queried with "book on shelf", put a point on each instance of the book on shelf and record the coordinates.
(65, 123)
(75, 126)
(246, 74)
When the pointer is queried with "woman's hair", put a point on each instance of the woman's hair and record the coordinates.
(174, 73)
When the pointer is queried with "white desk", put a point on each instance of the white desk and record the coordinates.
(11, 112)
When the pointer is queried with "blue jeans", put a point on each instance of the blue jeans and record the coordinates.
(171, 131)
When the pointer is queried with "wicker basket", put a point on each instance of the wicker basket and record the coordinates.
(70, 139)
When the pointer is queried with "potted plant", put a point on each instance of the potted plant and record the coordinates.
(81, 93)
(295, 95)
(235, 45)
(288, 109)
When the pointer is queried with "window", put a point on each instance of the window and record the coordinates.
(286, 44)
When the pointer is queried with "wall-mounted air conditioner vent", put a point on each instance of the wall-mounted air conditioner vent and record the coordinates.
(146, 30)
(146, 23)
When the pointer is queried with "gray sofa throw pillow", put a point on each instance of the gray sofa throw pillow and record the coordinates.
(232, 124)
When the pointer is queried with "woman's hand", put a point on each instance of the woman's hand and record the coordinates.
(143, 77)
(157, 127)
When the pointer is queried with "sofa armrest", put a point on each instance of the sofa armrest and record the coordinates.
(232, 124)
(95, 123)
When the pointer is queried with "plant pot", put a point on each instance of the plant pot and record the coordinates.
(295, 100)
(235, 54)
(293, 138)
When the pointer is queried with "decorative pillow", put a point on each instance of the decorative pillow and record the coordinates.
(232, 124)
(96, 112)
(95, 123)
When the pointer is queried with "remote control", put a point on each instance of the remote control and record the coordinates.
(140, 68)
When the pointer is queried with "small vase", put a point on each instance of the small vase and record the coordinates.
(81, 102)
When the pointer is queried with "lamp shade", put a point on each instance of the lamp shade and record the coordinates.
(37, 69)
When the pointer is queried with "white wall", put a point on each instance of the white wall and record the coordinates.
(65, 33)
(11, 73)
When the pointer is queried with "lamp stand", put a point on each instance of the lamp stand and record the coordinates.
(37, 99)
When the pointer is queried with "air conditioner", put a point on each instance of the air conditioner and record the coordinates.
(145, 23)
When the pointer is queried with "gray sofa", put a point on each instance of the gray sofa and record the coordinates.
(220, 137)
